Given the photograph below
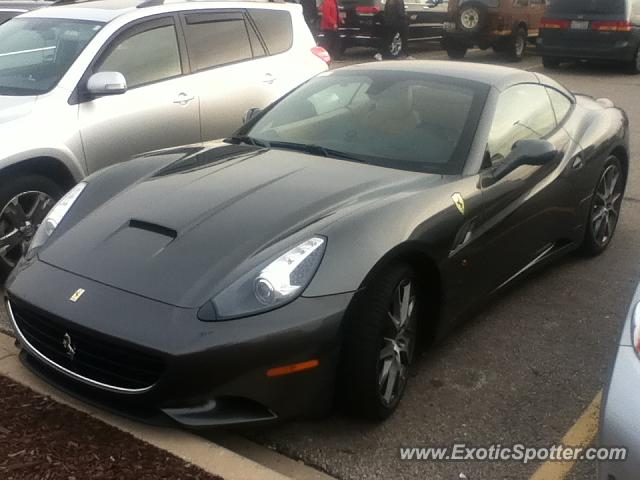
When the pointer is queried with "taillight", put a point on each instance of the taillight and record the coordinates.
(322, 54)
(553, 24)
(621, 26)
(367, 10)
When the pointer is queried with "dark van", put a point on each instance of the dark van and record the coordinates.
(591, 30)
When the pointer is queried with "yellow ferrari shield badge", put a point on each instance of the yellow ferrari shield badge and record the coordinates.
(458, 202)
(76, 295)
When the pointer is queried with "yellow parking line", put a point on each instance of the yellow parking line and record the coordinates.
(581, 434)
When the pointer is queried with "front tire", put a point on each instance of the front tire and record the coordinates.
(24, 203)
(379, 343)
(604, 212)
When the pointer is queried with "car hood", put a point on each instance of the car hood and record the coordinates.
(183, 233)
(12, 108)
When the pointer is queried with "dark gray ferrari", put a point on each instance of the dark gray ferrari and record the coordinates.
(300, 261)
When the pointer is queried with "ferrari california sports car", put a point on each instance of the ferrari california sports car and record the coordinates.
(301, 260)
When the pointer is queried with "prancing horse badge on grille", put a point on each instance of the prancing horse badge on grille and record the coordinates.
(76, 295)
(69, 349)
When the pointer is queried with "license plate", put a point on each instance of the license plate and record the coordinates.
(580, 25)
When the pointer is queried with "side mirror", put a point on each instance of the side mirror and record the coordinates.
(106, 83)
(251, 114)
(526, 152)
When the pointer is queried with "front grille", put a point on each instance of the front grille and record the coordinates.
(112, 365)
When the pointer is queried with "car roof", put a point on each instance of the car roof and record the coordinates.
(107, 10)
(495, 76)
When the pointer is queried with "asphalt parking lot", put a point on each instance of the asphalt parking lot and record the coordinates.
(522, 371)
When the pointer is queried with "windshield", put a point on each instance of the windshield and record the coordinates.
(587, 6)
(36, 52)
(398, 119)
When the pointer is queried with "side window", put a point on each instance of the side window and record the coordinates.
(275, 27)
(145, 57)
(561, 104)
(215, 39)
(523, 112)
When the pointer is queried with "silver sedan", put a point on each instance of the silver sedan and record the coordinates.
(620, 417)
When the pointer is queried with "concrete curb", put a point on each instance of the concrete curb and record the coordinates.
(191, 448)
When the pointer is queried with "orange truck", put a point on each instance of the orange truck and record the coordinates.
(505, 25)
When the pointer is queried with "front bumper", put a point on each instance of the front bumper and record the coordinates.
(212, 373)
(620, 417)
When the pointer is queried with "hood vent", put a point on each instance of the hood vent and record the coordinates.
(152, 227)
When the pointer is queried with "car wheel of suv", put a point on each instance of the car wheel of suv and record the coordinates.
(472, 17)
(395, 46)
(380, 342)
(550, 62)
(24, 203)
(455, 50)
(517, 45)
(605, 209)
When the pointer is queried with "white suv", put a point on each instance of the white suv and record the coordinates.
(88, 84)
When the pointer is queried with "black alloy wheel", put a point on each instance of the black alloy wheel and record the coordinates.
(24, 204)
(380, 343)
(605, 208)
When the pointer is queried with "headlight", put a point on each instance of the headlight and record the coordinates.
(271, 284)
(635, 327)
(55, 216)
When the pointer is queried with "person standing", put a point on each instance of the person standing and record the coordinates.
(329, 26)
(310, 12)
(394, 31)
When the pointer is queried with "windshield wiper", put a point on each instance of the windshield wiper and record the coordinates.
(317, 150)
(247, 139)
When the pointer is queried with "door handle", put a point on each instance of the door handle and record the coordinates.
(183, 99)
(268, 78)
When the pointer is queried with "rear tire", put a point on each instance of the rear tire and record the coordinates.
(516, 45)
(24, 203)
(604, 211)
(550, 63)
(379, 343)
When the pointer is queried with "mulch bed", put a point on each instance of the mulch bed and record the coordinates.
(41, 439)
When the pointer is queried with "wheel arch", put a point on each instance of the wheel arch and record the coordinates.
(621, 154)
(46, 166)
(421, 260)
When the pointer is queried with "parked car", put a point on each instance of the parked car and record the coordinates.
(505, 25)
(205, 285)
(88, 84)
(596, 30)
(619, 419)
(363, 21)
(13, 8)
